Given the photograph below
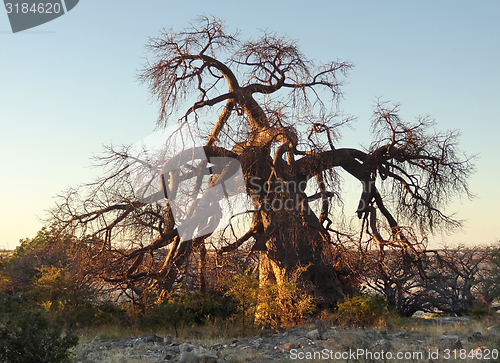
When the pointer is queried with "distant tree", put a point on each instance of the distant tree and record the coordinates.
(488, 281)
(450, 279)
(22, 267)
(400, 276)
(48, 271)
(277, 116)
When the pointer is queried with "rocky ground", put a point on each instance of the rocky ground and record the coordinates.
(442, 341)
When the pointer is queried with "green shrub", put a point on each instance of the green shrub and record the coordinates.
(57, 291)
(270, 305)
(480, 311)
(362, 310)
(179, 311)
(28, 336)
(244, 289)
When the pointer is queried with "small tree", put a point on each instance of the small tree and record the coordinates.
(244, 289)
(48, 270)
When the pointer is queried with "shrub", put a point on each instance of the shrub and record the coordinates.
(362, 310)
(28, 336)
(59, 293)
(270, 305)
(244, 289)
(283, 305)
(180, 311)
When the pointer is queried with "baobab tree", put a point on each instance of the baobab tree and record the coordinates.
(276, 114)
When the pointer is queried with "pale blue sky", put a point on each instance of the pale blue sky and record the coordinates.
(69, 86)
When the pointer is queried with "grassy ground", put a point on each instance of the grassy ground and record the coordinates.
(391, 334)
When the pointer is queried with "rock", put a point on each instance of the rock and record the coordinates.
(257, 343)
(313, 335)
(167, 339)
(450, 342)
(169, 356)
(150, 338)
(186, 347)
(204, 355)
(273, 348)
(188, 357)
(288, 346)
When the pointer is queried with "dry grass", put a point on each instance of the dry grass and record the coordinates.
(392, 335)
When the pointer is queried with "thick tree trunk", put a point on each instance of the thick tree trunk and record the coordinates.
(295, 250)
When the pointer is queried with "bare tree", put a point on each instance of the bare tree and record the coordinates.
(456, 279)
(450, 279)
(400, 276)
(276, 114)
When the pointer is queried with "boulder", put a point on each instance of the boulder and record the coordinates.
(313, 335)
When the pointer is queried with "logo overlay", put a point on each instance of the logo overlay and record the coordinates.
(26, 14)
(204, 193)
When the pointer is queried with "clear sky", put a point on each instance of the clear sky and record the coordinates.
(69, 86)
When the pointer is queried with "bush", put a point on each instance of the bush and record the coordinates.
(28, 336)
(181, 311)
(270, 305)
(362, 310)
(59, 293)
(244, 289)
(283, 305)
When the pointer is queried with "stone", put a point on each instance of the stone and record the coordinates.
(188, 357)
(186, 347)
(167, 339)
(313, 335)
(288, 346)
(204, 355)
(150, 338)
